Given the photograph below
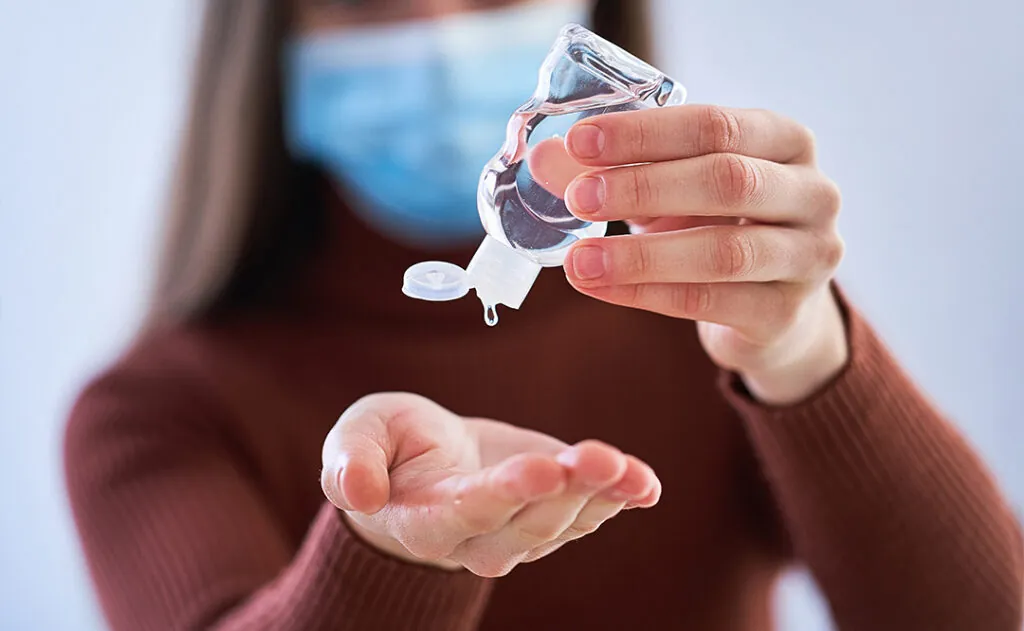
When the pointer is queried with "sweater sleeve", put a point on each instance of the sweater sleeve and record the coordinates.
(897, 518)
(176, 534)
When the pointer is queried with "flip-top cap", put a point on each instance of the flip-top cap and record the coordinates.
(436, 280)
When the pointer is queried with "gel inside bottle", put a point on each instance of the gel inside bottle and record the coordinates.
(521, 192)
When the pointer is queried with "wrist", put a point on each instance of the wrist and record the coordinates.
(391, 546)
(822, 356)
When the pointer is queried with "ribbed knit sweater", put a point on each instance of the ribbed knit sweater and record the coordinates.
(193, 470)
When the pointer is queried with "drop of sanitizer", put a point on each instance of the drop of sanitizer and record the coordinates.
(490, 315)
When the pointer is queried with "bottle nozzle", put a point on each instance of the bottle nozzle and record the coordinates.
(499, 274)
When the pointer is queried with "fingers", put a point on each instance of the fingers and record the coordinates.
(486, 500)
(709, 254)
(760, 311)
(723, 184)
(638, 487)
(595, 467)
(398, 465)
(601, 481)
(592, 467)
(596, 512)
(481, 502)
(490, 520)
(687, 131)
(499, 440)
(638, 484)
(649, 500)
(671, 224)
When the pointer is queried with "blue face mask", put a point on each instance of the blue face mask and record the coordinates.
(405, 116)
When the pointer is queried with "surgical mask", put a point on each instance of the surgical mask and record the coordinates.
(404, 116)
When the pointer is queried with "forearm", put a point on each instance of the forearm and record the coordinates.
(899, 521)
(338, 581)
(176, 537)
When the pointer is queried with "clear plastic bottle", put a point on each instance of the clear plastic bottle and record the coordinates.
(521, 190)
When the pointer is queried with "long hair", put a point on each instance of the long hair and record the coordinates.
(242, 216)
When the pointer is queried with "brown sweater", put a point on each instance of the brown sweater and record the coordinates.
(193, 470)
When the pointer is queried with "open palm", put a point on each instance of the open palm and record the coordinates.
(426, 485)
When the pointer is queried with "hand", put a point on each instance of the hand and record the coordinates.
(733, 226)
(427, 486)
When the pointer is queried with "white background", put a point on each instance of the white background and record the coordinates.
(916, 106)
(91, 94)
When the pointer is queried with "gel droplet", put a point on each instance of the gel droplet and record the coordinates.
(490, 315)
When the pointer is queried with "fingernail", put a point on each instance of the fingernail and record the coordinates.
(589, 262)
(330, 482)
(585, 141)
(586, 194)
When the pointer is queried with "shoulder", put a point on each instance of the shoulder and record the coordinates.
(196, 388)
(159, 390)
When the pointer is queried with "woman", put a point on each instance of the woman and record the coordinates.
(779, 426)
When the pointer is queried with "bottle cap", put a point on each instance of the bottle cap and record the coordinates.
(436, 281)
(500, 275)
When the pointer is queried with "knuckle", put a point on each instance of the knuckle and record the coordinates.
(718, 130)
(830, 252)
(806, 138)
(634, 295)
(641, 262)
(693, 300)
(732, 254)
(540, 553)
(577, 531)
(644, 135)
(538, 534)
(473, 522)
(836, 253)
(641, 192)
(831, 199)
(641, 136)
(734, 180)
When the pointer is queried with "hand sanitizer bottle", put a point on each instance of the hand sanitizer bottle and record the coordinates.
(521, 192)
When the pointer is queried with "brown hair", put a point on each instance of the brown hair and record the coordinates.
(243, 214)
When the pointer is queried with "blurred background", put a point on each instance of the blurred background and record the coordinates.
(917, 109)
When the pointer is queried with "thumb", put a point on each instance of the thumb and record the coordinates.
(357, 454)
(552, 167)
